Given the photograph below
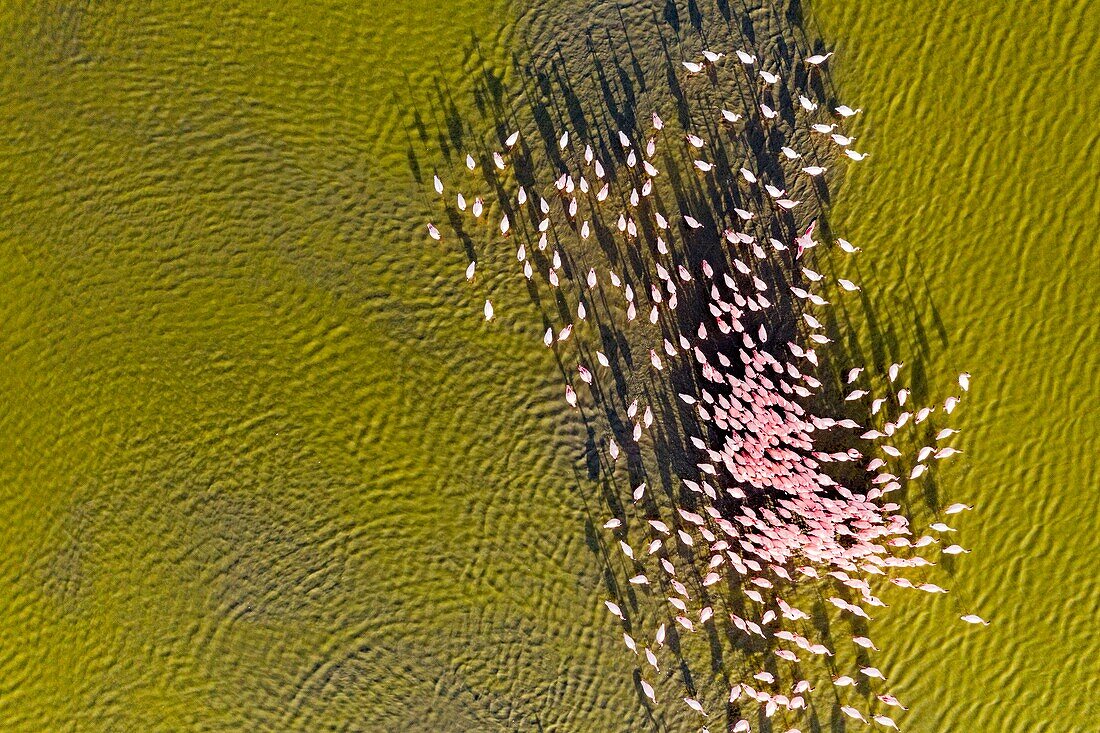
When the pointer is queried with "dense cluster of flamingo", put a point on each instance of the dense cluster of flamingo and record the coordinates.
(780, 495)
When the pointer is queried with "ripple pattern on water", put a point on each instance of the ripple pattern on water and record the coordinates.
(265, 468)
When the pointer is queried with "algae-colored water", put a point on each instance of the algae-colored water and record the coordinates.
(977, 213)
(264, 467)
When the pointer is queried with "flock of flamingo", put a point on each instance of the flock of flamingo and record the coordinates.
(779, 498)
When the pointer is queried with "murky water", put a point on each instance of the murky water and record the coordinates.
(975, 211)
(265, 467)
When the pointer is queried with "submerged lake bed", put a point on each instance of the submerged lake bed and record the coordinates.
(266, 467)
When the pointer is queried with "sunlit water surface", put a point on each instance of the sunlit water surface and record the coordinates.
(265, 468)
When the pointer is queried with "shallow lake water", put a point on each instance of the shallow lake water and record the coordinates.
(265, 467)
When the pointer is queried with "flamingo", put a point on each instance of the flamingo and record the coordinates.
(648, 690)
(885, 721)
(864, 642)
(695, 705)
(892, 701)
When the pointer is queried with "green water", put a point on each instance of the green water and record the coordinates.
(264, 467)
(977, 212)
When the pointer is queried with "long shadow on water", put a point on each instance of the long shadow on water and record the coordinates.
(594, 81)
